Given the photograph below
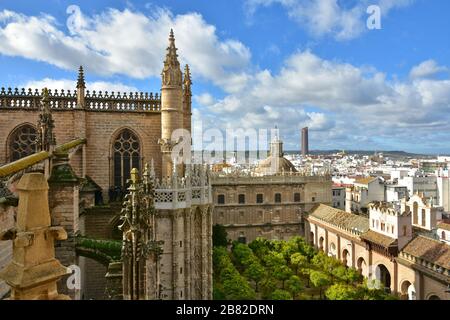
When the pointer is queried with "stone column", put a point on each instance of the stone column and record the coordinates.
(205, 251)
(34, 271)
(193, 261)
(316, 240)
(338, 245)
(394, 285)
(177, 256)
(187, 250)
(353, 255)
(210, 254)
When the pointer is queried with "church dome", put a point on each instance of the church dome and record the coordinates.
(275, 163)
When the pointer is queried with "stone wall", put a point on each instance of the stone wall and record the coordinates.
(268, 219)
(401, 271)
(6, 223)
(186, 261)
(100, 128)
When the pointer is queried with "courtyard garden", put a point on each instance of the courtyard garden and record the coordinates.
(285, 270)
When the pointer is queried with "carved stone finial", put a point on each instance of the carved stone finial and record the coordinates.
(34, 271)
(171, 74)
(134, 176)
(187, 78)
(46, 138)
(80, 81)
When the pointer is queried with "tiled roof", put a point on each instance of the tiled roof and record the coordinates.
(444, 225)
(365, 180)
(340, 218)
(431, 250)
(379, 238)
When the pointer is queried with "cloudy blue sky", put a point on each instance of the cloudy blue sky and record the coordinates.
(255, 63)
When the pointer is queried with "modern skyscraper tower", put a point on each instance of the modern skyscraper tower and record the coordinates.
(305, 145)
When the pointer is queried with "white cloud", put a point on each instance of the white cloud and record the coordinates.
(349, 104)
(71, 85)
(342, 103)
(125, 42)
(204, 99)
(426, 69)
(323, 17)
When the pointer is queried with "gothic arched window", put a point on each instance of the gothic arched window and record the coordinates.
(22, 142)
(126, 155)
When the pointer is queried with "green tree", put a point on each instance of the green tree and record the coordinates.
(305, 273)
(327, 264)
(268, 285)
(273, 259)
(279, 294)
(341, 291)
(237, 288)
(297, 261)
(319, 280)
(219, 235)
(352, 275)
(243, 254)
(340, 273)
(260, 247)
(282, 273)
(294, 286)
(255, 272)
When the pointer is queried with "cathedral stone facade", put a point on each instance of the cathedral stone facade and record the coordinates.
(113, 133)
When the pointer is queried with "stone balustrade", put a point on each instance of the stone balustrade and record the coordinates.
(27, 99)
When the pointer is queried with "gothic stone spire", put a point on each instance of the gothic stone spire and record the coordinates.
(171, 74)
(46, 138)
(80, 81)
(187, 79)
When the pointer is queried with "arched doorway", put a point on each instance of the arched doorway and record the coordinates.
(434, 297)
(311, 238)
(384, 277)
(408, 291)
(345, 257)
(362, 267)
(321, 240)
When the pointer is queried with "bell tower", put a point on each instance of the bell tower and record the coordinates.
(171, 104)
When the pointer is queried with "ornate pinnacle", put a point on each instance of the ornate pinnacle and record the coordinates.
(46, 138)
(171, 74)
(187, 78)
(134, 176)
(45, 101)
(80, 81)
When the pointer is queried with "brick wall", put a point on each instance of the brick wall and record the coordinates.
(93, 280)
(100, 128)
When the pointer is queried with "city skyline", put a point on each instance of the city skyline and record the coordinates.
(255, 63)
